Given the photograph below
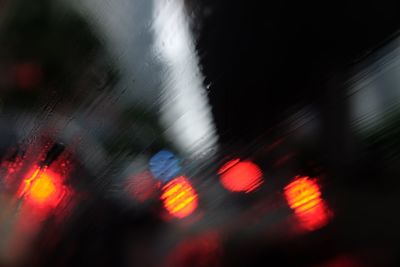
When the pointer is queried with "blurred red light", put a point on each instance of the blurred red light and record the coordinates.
(141, 186)
(179, 197)
(28, 75)
(240, 176)
(197, 251)
(304, 197)
(42, 187)
(343, 261)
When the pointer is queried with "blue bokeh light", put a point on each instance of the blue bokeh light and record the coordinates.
(164, 165)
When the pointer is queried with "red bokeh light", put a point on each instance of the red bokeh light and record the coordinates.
(343, 261)
(42, 187)
(179, 197)
(240, 176)
(202, 250)
(28, 75)
(304, 197)
(141, 186)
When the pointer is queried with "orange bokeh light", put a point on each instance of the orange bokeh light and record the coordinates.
(43, 187)
(240, 176)
(179, 197)
(304, 197)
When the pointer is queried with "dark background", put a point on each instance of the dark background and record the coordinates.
(262, 62)
(263, 58)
